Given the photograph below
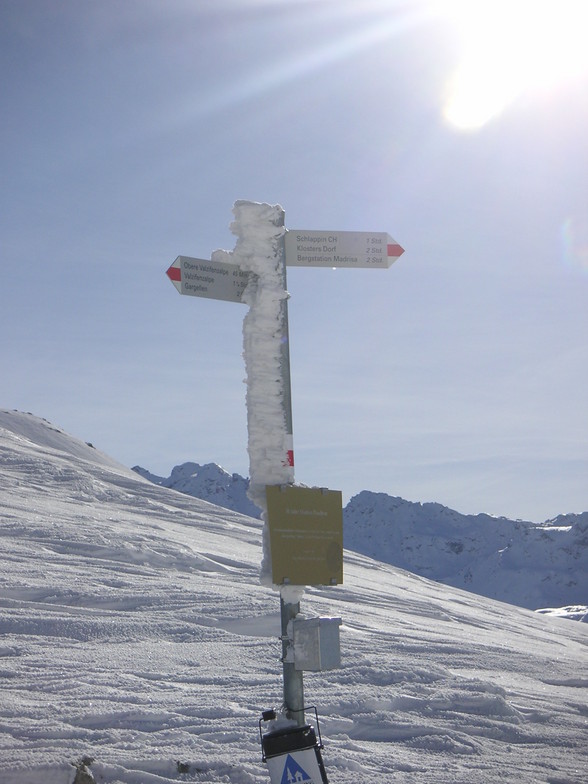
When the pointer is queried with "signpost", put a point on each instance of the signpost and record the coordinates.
(213, 279)
(341, 249)
(255, 273)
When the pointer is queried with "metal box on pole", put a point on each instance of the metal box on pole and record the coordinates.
(316, 644)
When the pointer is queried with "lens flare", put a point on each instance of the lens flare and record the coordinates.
(574, 235)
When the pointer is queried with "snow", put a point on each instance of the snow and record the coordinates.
(259, 249)
(537, 566)
(528, 564)
(135, 633)
(259, 229)
(576, 612)
(209, 482)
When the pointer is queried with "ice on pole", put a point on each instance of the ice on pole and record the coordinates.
(259, 250)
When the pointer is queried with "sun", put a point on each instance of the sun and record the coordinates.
(510, 47)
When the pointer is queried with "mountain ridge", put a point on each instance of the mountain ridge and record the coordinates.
(532, 565)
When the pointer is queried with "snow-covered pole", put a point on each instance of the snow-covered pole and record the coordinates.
(260, 250)
(255, 273)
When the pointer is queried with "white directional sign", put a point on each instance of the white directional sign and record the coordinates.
(214, 279)
(340, 249)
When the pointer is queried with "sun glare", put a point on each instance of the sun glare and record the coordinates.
(509, 47)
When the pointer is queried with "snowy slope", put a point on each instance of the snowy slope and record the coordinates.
(134, 632)
(531, 565)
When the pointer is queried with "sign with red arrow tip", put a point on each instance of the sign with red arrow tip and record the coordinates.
(312, 248)
(212, 279)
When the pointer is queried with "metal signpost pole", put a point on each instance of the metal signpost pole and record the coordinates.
(255, 274)
(293, 682)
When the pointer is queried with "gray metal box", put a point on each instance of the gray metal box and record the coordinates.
(316, 644)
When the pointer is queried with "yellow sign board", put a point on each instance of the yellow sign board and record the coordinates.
(306, 535)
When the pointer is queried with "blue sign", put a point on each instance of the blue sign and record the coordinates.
(293, 773)
(297, 767)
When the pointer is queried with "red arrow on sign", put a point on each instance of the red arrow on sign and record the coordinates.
(174, 273)
(207, 278)
(395, 251)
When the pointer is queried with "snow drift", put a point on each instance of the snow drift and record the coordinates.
(139, 646)
(529, 564)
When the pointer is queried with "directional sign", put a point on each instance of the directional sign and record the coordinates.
(340, 249)
(214, 279)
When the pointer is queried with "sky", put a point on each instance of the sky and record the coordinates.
(129, 129)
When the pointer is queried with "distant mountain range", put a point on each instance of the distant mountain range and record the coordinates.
(208, 482)
(528, 564)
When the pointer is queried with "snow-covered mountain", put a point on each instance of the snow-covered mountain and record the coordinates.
(139, 647)
(209, 482)
(532, 565)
